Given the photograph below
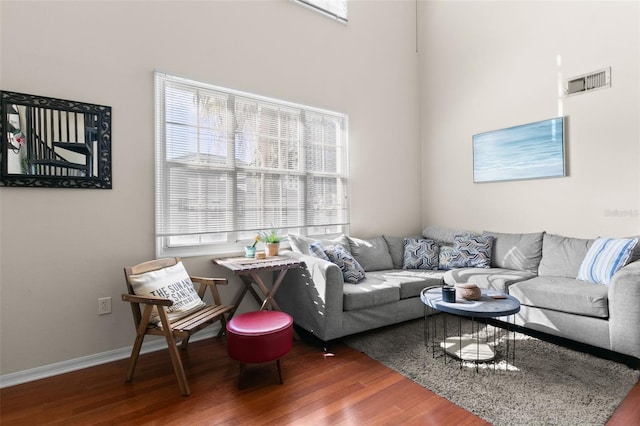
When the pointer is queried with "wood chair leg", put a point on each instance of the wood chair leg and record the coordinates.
(185, 343)
(175, 355)
(133, 359)
(137, 345)
(223, 326)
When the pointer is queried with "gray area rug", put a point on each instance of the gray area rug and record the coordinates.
(546, 385)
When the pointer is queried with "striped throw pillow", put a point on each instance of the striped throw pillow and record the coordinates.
(604, 258)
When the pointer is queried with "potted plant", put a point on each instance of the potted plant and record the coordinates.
(272, 241)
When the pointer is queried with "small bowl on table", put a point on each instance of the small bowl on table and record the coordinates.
(468, 291)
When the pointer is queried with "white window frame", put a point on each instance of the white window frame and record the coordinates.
(336, 9)
(171, 214)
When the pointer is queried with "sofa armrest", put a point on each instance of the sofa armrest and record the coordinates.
(624, 310)
(313, 296)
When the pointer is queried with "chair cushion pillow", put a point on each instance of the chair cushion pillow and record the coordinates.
(172, 283)
(604, 258)
(351, 270)
(420, 254)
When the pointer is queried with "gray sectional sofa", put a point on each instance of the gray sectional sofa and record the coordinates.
(539, 269)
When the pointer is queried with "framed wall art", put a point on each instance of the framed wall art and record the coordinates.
(528, 151)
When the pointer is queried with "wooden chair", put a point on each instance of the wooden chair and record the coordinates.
(177, 330)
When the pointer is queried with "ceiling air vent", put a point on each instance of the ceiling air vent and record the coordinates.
(587, 82)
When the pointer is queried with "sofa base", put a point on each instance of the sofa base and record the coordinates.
(628, 360)
(583, 329)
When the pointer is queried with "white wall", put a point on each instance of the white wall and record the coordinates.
(62, 249)
(482, 66)
(486, 65)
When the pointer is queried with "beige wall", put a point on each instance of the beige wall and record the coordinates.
(489, 65)
(62, 249)
(481, 66)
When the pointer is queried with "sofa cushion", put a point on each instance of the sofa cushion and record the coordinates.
(635, 255)
(300, 244)
(516, 251)
(420, 254)
(368, 293)
(396, 249)
(410, 281)
(372, 254)
(443, 235)
(492, 278)
(604, 258)
(563, 295)
(471, 251)
(562, 256)
(352, 272)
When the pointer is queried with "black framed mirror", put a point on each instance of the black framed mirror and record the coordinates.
(48, 142)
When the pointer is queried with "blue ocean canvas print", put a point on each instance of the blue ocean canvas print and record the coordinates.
(529, 151)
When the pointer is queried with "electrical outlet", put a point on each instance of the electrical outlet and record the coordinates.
(104, 305)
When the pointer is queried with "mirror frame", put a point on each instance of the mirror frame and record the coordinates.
(103, 113)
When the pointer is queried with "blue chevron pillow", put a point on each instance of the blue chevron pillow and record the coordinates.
(604, 258)
(351, 269)
(420, 254)
(471, 251)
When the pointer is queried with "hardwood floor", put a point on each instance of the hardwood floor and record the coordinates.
(346, 389)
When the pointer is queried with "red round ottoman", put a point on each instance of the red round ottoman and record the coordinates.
(261, 336)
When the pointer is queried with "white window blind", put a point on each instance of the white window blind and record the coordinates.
(229, 164)
(334, 8)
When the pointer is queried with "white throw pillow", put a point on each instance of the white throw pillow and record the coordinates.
(169, 283)
(604, 258)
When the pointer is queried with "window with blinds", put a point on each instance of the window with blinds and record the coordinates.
(229, 164)
(333, 8)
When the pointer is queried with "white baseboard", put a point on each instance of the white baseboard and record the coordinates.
(54, 369)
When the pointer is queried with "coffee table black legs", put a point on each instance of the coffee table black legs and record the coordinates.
(479, 341)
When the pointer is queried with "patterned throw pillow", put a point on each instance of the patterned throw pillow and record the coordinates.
(170, 283)
(445, 257)
(317, 250)
(471, 251)
(351, 269)
(604, 258)
(420, 254)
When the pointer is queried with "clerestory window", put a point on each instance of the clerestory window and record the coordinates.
(334, 8)
(229, 164)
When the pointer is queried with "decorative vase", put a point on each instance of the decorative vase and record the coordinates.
(271, 249)
(250, 251)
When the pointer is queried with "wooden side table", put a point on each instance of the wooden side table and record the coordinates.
(249, 270)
